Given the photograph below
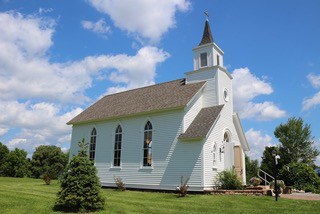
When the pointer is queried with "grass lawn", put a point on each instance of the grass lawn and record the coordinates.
(24, 195)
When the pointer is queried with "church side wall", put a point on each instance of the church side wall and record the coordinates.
(171, 158)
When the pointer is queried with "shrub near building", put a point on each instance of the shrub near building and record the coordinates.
(80, 186)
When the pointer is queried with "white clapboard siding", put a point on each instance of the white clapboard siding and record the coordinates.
(192, 111)
(171, 158)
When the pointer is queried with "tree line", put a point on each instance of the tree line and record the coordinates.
(296, 166)
(47, 162)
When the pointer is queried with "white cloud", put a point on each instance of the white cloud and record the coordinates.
(41, 123)
(314, 80)
(26, 71)
(257, 141)
(147, 18)
(308, 103)
(246, 87)
(45, 10)
(3, 131)
(38, 96)
(313, 101)
(99, 27)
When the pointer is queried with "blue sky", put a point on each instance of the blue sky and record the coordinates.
(58, 57)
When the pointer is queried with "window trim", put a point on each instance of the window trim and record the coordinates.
(114, 148)
(93, 136)
(202, 66)
(143, 146)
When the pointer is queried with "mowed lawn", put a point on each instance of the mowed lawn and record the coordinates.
(24, 195)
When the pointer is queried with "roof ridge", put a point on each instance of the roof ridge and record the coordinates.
(147, 86)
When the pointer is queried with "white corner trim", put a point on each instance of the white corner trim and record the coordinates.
(239, 129)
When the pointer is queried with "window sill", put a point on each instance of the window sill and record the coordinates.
(115, 168)
(146, 168)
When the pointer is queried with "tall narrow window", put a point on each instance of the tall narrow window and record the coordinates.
(214, 157)
(93, 144)
(147, 145)
(117, 146)
(203, 60)
(226, 137)
(218, 60)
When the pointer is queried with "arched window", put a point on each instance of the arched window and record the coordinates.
(226, 137)
(147, 145)
(117, 146)
(214, 151)
(93, 144)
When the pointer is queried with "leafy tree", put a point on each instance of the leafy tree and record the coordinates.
(16, 164)
(252, 167)
(4, 151)
(297, 144)
(48, 162)
(267, 163)
(300, 176)
(80, 186)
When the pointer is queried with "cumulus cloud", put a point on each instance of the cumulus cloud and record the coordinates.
(99, 27)
(38, 96)
(246, 87)
(313, 101)
(26, 72)
(257, 141)
(41, 123)
(147, 18)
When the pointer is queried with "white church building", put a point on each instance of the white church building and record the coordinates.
(152, 136)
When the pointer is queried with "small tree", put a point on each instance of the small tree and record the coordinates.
(15, 164)
(229, 180)
(120, 184)
(48, 162)
(252, 167)
(80, 186)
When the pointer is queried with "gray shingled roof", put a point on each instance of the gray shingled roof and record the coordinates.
(168, 95)
(207, 36)
(201, 125)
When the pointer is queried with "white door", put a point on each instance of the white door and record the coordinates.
(228, 155)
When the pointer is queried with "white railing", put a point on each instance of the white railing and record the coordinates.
(264, 177)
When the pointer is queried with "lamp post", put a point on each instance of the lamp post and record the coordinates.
(276, 188)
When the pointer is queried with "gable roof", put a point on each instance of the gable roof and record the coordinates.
(201, 125)
(168, 95)
(207, 36)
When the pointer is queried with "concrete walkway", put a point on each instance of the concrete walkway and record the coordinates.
(302, 196)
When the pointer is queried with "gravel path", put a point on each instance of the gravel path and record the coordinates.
(302, 196)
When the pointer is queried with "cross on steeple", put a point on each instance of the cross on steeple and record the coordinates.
(206, 13)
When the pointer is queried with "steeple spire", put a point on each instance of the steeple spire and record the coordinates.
(207, 36)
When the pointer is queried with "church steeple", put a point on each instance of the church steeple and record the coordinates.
(207, 36)
(207, 53)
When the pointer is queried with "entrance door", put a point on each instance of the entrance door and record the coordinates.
(238, 162)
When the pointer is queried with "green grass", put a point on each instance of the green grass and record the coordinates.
(32, 196)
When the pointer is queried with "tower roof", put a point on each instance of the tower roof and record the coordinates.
(207, 36)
